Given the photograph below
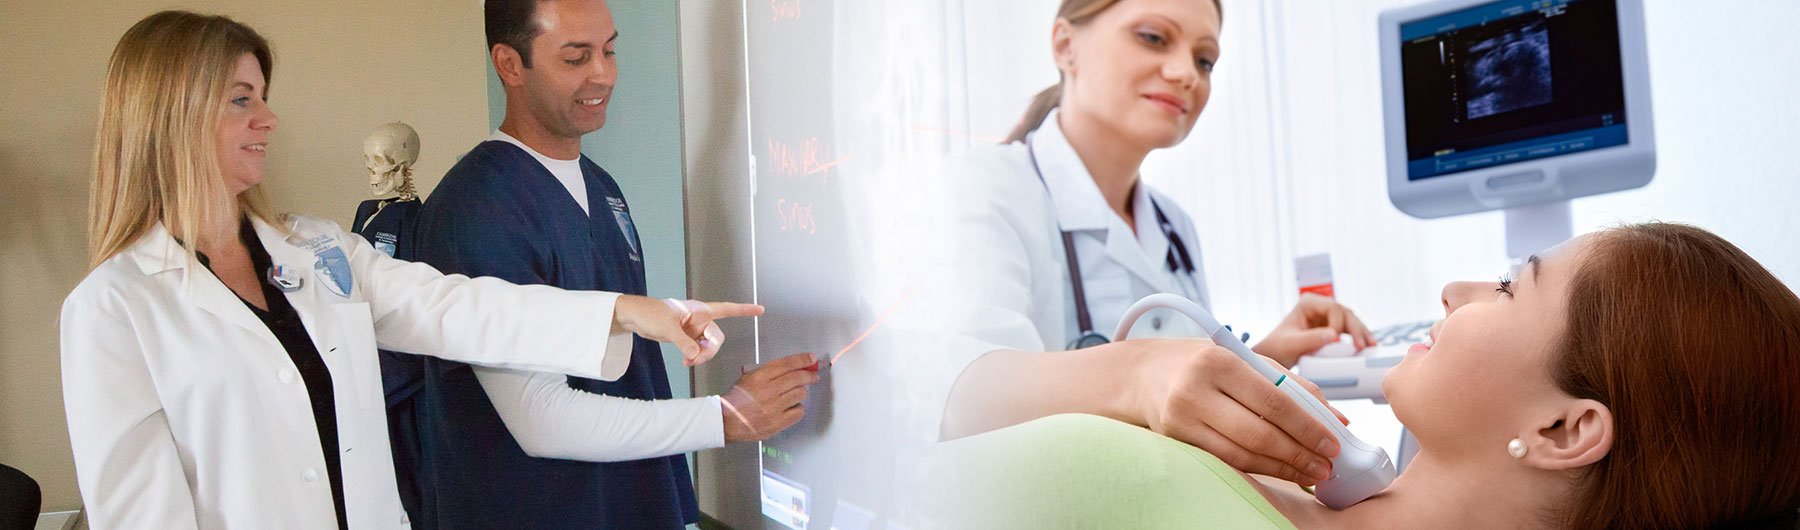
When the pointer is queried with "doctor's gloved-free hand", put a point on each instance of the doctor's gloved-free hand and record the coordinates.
(1203, 394)
(1315, 322)
(769, 399)
(686, 324)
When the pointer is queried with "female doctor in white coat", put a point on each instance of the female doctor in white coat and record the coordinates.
(1062, 236)
(232, 382)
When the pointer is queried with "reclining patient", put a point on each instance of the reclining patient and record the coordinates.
(1642, 377)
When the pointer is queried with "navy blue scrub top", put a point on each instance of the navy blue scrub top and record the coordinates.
(500, 213)
(390, 226)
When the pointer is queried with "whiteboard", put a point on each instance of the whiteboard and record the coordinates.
(805, 250)
(810, 203)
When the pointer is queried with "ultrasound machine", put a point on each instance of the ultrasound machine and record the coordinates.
(1511, 105)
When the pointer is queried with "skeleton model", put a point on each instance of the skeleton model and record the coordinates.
(387, 220)
(389, 153)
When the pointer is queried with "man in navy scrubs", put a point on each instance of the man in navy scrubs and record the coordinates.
(515, 449)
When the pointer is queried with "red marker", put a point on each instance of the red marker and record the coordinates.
(814, 367)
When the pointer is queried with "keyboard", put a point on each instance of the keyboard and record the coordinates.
(1343, 373)
(1406, 334)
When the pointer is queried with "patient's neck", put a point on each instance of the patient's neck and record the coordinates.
(1466, 493)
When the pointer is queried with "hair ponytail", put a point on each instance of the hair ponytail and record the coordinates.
(1040, 108)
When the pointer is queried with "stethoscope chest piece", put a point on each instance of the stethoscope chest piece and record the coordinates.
(1088, 340)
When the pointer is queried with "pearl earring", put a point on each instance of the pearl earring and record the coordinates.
(1516, 448)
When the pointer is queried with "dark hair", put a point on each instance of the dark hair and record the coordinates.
(510, 22)
(1079, 12)
(1695, 348)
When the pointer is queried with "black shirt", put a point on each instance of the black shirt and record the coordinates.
(285, 324)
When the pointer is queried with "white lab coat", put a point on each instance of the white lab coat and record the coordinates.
(186, 412)
(1010, 268)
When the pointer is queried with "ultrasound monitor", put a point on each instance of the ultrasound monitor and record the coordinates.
(1515, 105)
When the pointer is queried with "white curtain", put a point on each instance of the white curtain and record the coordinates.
(1287, 158)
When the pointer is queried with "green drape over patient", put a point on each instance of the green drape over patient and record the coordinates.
(1082, 471)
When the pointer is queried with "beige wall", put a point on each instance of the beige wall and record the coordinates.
(341, 69)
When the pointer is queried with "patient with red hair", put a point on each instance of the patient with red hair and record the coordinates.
(1646, 376)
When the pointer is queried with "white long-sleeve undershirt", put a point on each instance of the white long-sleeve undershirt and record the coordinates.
(550, 419)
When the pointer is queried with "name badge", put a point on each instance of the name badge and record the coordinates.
(285, 279)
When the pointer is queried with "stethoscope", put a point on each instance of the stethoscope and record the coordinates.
(1178, 260)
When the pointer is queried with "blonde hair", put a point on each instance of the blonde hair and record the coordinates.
(156, 149)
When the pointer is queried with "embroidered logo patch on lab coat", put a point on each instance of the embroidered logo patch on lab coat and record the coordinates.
(333, 270)
(623, 217)
(332, 267)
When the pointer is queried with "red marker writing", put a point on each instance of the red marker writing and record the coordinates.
(814, 367)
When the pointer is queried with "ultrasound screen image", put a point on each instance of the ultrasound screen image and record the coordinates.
(1509, 81)
(1509, 71)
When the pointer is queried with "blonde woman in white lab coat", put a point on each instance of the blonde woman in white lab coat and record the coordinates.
(232, 381)
(1064, 195)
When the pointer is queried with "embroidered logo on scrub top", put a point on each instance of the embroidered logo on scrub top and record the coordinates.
(332, 267)
(385, 243)
(623, 216)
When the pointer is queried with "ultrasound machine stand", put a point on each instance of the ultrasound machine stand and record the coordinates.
(1533, 228)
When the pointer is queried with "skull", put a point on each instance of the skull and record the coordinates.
(389, 153)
